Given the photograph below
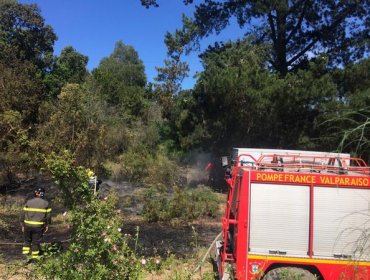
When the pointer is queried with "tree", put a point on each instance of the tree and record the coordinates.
(238, 102)
(169, 80)
(120, 79)
(97, 248)
(170, 76)
(20, 96)
(24, 35)
(346, 124)
(69, 67)
(75, 123)
(234, 94)
(296, 29)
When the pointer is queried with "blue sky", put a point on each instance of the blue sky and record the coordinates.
(93, 26)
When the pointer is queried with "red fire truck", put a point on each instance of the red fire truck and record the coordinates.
(295, 215)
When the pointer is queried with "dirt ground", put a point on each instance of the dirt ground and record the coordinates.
(154, 239)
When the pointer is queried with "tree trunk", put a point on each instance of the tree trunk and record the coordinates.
(280, 43)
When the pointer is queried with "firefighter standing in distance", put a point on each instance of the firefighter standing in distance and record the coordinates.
(35, 221)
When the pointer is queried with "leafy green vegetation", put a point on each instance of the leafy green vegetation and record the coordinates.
(58, 119)
(183, 205)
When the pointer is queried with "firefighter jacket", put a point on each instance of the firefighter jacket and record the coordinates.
(36, 213)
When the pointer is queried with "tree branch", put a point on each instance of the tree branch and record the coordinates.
(272, 26)
(319, 34)
(299, 23)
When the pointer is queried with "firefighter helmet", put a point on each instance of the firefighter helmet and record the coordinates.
(39, 192)
(90, 173)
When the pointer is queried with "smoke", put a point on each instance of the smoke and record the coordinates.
(196, 167)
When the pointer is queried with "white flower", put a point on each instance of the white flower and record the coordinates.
(65, 213)
(119, 229)
(143, 261)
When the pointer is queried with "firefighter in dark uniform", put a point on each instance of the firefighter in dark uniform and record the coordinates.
(35, 221)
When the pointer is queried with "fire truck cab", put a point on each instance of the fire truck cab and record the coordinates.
(295, 215)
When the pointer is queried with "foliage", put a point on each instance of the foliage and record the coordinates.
(72, 179)
(353, 129)
(69, 67)
(75, 123)
(153, 168)
(295, 29)
(237, 102)
(14, 144)
(170, 77)
(346, 122)
(24, 35)
(299, 103)
(185, 128)
(183, 205)
(20, 94)
(120, 80)
(21, 90)
(25, 45)
(233, 93)
(98, 250)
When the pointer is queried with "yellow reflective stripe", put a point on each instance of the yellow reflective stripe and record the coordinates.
(36, 209)
(33, 223)
(25, 250)
(35, 252)
(35, 257)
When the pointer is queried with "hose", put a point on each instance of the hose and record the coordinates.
(206, 254)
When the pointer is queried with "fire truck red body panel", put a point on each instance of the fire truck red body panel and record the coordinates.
(310, 212)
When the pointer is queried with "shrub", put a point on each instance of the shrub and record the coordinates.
(155, 205)
(98, 250)
(183, 205)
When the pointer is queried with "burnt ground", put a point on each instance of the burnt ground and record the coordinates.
(154, 239)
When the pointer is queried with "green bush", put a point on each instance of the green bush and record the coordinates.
(183, 205)
(98, 249)
(137, 164)
(155, 205)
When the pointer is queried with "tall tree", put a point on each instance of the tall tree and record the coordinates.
(24, 35)
(20, 89)
(120, 79)
(170, 76)
(69, 67)
(346, 124)
(296, 29)
(76, 122)
(234, 94)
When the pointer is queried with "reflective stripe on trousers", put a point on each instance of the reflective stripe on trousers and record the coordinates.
(26, 250)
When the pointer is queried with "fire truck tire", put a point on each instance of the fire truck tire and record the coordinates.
(289, 273)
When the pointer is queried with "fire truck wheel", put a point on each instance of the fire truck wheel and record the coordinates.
(289, 273)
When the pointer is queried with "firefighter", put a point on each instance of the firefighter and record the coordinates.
(36, 218)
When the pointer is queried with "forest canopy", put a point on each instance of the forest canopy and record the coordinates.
(291, 82)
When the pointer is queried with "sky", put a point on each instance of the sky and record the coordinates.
(93, 27)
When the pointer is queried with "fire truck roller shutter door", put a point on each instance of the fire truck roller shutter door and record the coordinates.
(341, 223)
(279, 221)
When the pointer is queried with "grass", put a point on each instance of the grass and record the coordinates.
(176, 253)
